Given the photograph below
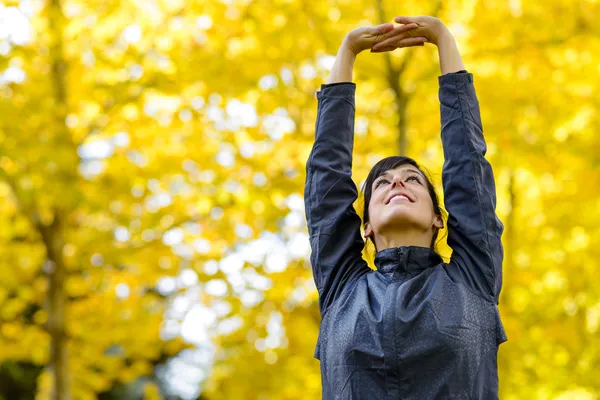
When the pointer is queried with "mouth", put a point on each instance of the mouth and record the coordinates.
(399, 197)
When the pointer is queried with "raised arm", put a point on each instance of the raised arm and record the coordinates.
(329, 194)
(474, 230)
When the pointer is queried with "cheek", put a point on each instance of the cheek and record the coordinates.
(374, 208)
(427, 203)
(427, 199)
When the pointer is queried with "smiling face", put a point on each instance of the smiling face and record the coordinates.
(400, 199)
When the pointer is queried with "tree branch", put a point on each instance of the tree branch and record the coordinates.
(393, 77)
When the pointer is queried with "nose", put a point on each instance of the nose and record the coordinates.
(397, 181)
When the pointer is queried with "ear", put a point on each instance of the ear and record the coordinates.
(368, 230)
(438, 222)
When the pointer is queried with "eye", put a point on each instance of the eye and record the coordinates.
(380, 182)
(414, 178)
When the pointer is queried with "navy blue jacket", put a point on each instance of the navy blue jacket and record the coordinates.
(416, 328)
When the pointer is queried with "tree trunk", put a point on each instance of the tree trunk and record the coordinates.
(393, 77)
(509, 233)
(56, 271)
(52, 233)
(401, 103)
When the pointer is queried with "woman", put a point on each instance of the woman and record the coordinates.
(416, 328)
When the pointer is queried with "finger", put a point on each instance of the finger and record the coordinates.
(397, 42)
(415, 45)
(405, 28)
(392, 48)
(382, 29)
(406, 20)
(386, 43)
(399, 29)
(411, 41)
(383, 49)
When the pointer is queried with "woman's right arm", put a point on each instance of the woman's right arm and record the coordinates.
(329, 194)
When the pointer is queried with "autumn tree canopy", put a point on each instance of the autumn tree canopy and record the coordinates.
(152, 163)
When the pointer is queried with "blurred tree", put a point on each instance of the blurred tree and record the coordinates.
(83, 240)
(152, 159)
(17, 380)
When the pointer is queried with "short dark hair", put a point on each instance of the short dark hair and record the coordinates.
(390, 163)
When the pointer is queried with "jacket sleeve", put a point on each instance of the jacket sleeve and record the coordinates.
(474, 230)
(329, 194)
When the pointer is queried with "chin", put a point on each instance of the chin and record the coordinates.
(400, 217)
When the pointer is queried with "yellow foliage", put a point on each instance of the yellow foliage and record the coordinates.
(151, 392)
(182, 137)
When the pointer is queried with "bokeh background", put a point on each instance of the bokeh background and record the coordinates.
(152, 162)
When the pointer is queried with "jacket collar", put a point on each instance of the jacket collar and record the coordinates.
(411, 259)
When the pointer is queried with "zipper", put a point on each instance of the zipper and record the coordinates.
(401, 254)
(401, 261)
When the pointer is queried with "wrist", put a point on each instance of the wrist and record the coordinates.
(444, 37)
(346, 54)
(343, 65)
(347, 49)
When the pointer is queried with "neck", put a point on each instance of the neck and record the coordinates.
(417, 238)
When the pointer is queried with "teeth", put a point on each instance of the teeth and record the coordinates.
(399, 197)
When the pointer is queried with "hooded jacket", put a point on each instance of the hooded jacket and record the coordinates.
(417, 327)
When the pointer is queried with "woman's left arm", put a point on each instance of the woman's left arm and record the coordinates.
(474, 230)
